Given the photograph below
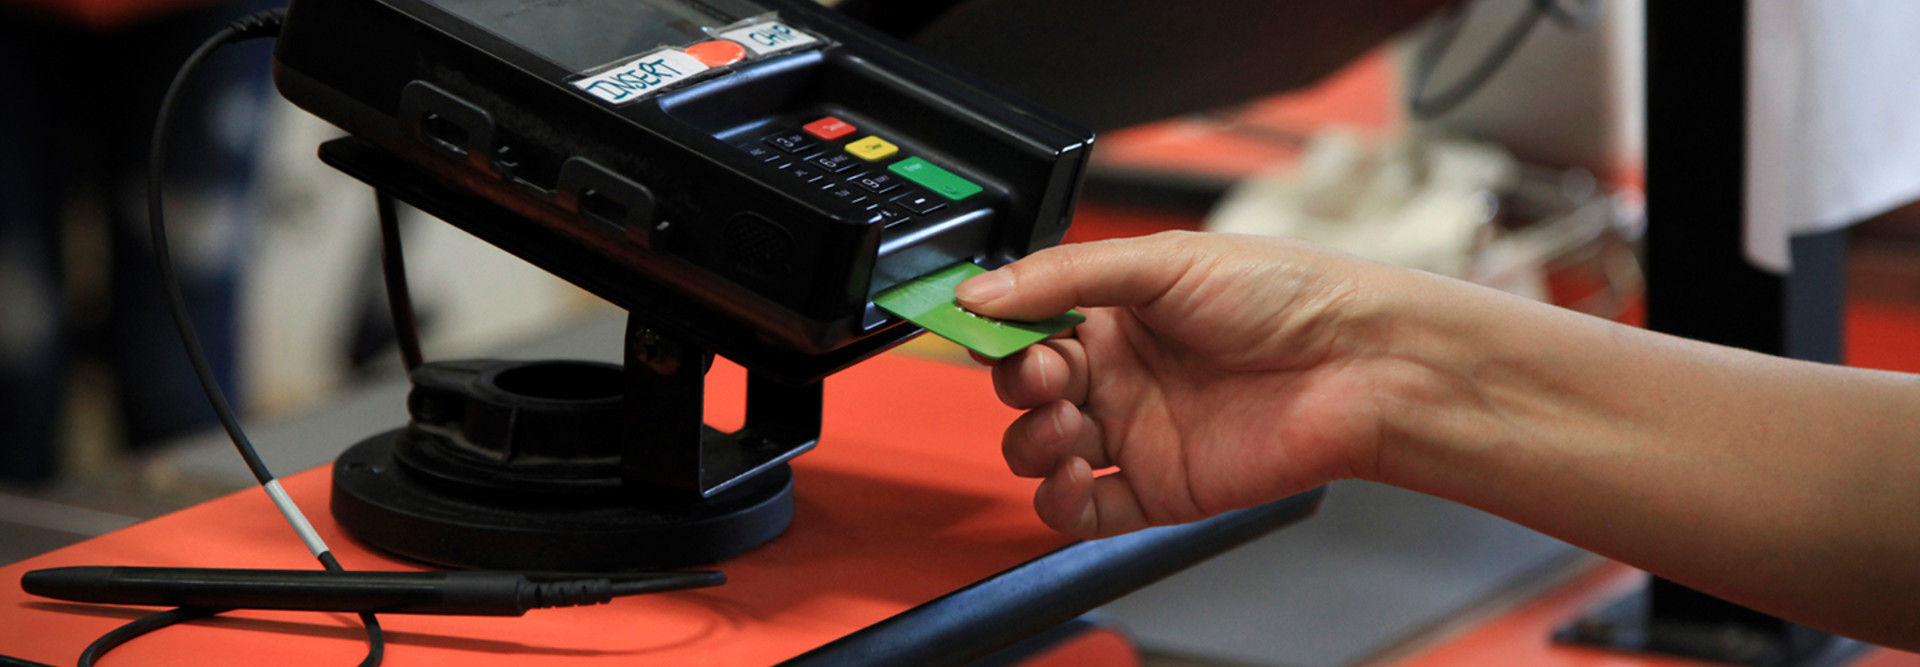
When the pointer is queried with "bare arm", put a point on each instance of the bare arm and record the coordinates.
(1788, 486)
(1216, 372)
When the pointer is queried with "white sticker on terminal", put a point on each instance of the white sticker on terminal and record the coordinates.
(769, 36)
(642, 76)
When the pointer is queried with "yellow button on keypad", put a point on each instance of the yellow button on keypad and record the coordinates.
(872, 148)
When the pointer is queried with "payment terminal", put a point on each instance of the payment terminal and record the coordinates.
(743, 176)
(775, 162)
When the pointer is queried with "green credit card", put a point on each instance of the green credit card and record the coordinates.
(929, 302)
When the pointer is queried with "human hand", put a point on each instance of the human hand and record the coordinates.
(1213, 371)
(1216, 372)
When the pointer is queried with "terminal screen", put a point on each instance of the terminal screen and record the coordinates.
(583, 34)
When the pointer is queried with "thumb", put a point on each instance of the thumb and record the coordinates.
(1119, 272)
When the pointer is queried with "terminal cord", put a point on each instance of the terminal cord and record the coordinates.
(261, 25)
(393, 268)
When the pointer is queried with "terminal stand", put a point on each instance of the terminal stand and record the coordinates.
(668, 447)
(564, 465)
(577, 466)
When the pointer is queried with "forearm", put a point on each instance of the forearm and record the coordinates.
(1787, 486)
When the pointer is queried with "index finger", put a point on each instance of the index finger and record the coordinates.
(1119, 272)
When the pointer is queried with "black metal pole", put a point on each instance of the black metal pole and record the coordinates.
(1700, 283)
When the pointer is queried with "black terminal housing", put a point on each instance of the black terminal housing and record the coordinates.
(698, 187)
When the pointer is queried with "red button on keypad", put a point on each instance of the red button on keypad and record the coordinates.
(828, 128)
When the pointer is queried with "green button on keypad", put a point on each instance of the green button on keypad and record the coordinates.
(934, 178)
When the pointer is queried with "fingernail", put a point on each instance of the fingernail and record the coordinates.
(1079, 471)
(985, 287)
(1047, 431)
(1060, 490)
(1089, 520)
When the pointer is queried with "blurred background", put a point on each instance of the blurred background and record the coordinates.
(1528, 179)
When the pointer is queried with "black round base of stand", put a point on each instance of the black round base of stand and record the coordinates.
(381, 503)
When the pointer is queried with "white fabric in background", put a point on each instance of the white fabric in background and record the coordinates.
(1833, 109)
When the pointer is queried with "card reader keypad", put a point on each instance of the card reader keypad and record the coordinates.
(872, 149)
(878, 183)
(862, 172)
(791, 142)
(764, 153)
(834, 162)
(846, 193)
(919, 202)
(828, 128)
(804, 173)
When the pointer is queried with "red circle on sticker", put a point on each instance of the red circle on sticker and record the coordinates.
(717, 53)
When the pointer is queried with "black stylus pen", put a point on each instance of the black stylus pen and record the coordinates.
(451, 593)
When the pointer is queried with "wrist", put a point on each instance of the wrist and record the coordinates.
(1478, 376)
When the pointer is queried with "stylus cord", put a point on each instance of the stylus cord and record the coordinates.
(262, 25)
